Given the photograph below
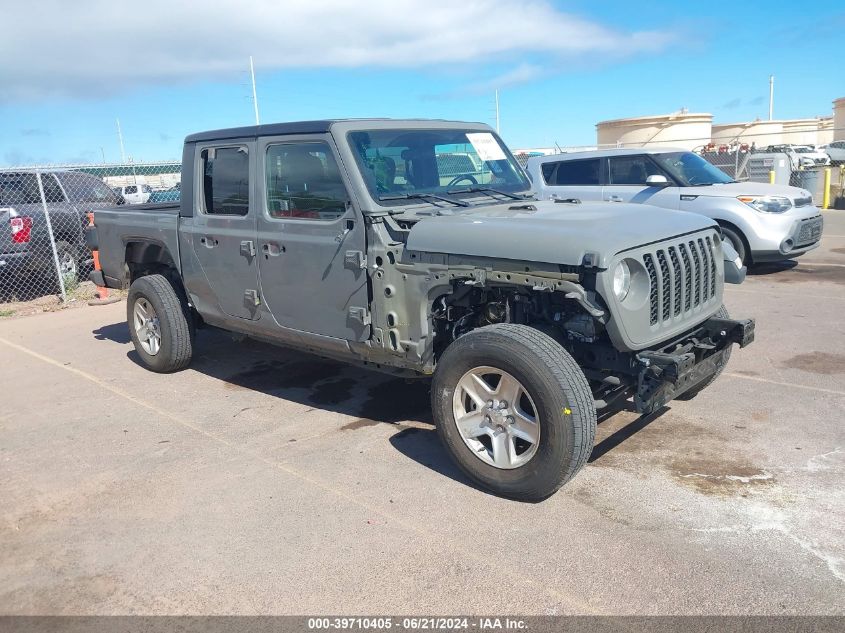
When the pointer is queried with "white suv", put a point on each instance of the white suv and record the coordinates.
(763, 222)
(135, 194)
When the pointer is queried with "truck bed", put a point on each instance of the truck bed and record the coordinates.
(116, 228)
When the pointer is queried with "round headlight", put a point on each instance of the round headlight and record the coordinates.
(621, 280)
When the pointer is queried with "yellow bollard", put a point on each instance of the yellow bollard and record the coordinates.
(772, 177)
(826, 190)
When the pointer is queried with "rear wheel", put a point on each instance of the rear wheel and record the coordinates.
(158, 324)
(513, 410)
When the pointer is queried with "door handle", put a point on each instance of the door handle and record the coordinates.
(272, 249)
(614, 199)
(208, 241)
(350, 224)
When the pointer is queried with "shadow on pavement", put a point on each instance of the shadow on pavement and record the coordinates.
(368, 397)
(771, 268)
(627, 431)
(116, 332)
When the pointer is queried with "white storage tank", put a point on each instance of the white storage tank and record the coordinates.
(839, 119)
(680, 129)
(825, 133)
(801, 131)
(760, 133)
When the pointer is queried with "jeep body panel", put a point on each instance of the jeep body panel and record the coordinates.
(549, 232)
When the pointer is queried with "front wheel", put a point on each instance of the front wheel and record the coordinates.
(737, 242)
(514, 410)
(158, 324)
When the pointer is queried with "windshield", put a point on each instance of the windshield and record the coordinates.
(804, 150)
(691, 169)
(402, 163)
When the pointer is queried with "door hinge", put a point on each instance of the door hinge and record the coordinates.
(362, 315)
(355, 259)
(248, 248)
(251, 297)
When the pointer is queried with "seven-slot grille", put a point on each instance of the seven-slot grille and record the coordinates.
(681, 277)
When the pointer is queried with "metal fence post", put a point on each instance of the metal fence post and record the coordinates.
(52, 239)
(826, 190)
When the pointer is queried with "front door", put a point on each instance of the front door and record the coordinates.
(626, 182)
(223, 227)
(311, 240)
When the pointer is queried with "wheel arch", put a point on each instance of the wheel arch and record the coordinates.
(733, 227)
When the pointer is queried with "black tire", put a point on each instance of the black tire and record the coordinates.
(176, 340)
(560, 393)
(697, 389)
(737, 241)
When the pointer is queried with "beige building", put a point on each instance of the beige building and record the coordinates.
(679, 129)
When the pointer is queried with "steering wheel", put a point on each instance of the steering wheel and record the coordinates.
(458, 179)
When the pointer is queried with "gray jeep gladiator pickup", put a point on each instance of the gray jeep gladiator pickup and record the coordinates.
(412, 247)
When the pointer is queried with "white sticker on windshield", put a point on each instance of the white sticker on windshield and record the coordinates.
(486, 146)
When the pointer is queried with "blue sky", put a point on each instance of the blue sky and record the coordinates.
(560, 68)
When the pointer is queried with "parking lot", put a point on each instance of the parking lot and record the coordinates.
(265, 481)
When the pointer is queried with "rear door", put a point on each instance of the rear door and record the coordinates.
(222, 232)
(311, 238)
(626, 182)
(577, 178)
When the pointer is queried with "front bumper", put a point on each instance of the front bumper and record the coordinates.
(665, 375)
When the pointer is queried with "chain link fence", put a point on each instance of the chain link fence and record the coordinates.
(43, 214)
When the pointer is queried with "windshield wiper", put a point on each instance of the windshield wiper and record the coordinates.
(487, 190)
(424, 196)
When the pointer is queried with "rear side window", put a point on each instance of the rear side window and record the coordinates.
(572, 172)
(52, 191)
(85, 188)
(132, 189)
(225, 180)
(303, 181)
(630, 170)
(19, 189)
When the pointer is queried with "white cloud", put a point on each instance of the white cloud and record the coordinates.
(96, 47)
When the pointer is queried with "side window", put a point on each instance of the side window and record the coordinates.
(131, 189)
(52, 191)
(572, 172)
(225, 180)
(303, 181)
(19, 189)
(630, 170)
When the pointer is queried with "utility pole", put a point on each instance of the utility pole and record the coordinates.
(120, 138)
(254, 93)
(497, 110)
(771, 95)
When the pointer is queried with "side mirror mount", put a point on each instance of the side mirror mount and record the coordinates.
(734, 269)
(657, 180)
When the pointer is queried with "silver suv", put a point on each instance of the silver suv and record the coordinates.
(763, 222)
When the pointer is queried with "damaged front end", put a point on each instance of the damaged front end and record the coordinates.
(667, 373)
